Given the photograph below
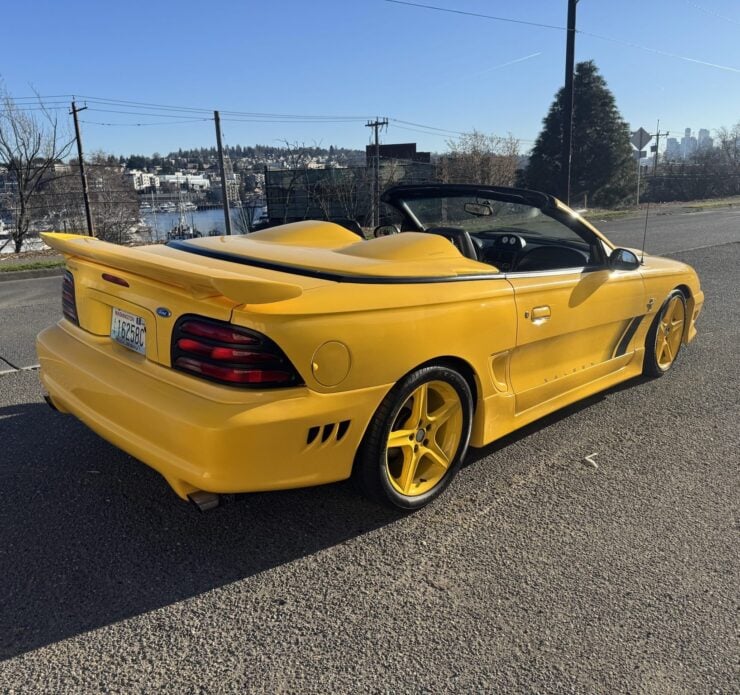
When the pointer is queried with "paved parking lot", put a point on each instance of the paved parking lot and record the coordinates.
(534, 573)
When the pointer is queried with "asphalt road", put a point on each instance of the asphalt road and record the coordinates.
(534, 573)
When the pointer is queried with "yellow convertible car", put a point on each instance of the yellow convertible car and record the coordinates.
(302, 354)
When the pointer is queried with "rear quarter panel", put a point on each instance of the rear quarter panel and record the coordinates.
(389, 330)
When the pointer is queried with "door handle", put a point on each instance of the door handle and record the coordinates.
(540, 314)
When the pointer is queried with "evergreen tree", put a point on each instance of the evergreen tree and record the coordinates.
(602, 164)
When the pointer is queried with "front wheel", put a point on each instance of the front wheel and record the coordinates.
(664, 338)
(417, 439)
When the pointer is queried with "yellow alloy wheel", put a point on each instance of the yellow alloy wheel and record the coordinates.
(424, 438)
(670, 332)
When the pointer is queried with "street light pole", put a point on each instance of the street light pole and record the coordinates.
(570, 50)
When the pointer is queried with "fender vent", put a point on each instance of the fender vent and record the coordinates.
(332, 431)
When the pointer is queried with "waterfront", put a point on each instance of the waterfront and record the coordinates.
(207, 222)
(160, 223)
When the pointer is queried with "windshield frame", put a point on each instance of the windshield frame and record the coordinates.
(399, 196)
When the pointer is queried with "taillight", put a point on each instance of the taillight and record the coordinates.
(69, 306)
(230, 354)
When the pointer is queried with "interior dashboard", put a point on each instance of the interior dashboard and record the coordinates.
(510, 251)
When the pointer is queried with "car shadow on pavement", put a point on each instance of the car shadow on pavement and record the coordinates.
(90, 536)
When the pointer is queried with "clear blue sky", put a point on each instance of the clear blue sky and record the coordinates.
(364, 58)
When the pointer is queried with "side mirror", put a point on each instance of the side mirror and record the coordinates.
(623, 259)
(386, 230)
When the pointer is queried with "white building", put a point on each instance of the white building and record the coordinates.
(142, 180)
(193, 182)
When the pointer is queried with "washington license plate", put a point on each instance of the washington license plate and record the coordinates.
(129, 330)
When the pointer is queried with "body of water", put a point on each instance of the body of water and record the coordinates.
(204, 221)
(161, 223)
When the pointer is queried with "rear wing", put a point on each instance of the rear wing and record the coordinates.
(201, 281)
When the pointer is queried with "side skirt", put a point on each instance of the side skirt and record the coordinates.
(497, 417)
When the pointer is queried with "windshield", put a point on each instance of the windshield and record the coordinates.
(477, 214)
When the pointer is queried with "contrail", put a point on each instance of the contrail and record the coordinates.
(657, 51)
(491, 69)
(511, 62)
(624, 42)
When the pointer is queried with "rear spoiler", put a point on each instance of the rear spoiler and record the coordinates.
(200, 280)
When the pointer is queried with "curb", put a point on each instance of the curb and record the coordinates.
(29, 274)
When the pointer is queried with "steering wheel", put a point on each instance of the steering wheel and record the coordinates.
(461, 239)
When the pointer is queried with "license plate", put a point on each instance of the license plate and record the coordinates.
(129, 330)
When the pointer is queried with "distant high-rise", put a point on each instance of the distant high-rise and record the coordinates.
(688, 144)
(672, 149)
(704, 141)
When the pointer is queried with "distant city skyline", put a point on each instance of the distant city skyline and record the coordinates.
(329, 66)
(686, 146)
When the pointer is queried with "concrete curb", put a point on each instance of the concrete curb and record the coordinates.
(29, 274)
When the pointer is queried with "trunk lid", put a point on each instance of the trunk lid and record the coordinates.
(151, 287)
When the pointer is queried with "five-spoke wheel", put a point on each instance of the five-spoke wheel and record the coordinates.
(417, 438)
(665, 335)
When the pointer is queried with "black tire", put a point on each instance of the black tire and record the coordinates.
(372, 471)
(652, 364)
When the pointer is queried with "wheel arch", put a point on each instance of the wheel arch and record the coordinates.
(689, 300)
(464, 368)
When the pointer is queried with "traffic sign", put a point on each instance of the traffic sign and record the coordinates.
(640, 138)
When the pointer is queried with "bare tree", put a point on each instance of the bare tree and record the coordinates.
(344, 193)
(31, 142)
(295, 178)
(113, 200)
(729, 144)
(479, 158)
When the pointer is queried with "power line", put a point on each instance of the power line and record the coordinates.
(593, 35)
(129, 104)
(428, 127)
(294, 120)
(444, 133)
(190, 121)
(138, 113)
(246, 114)
(476, 14)
(658, 51)
(417, 130)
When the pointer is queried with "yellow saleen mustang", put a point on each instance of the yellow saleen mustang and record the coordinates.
(302, 354)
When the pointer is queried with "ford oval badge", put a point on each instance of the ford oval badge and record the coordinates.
(163, 312)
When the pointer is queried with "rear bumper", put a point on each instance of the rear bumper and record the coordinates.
(198, 435)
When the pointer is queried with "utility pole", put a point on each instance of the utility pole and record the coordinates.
(657, 144)
(566, 153)
(222, 169)
(376, 125)
(655, 170)
(83, 176)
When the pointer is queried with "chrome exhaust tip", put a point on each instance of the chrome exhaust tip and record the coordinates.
(204, 500)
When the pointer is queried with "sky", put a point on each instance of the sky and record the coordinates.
(435, 74)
